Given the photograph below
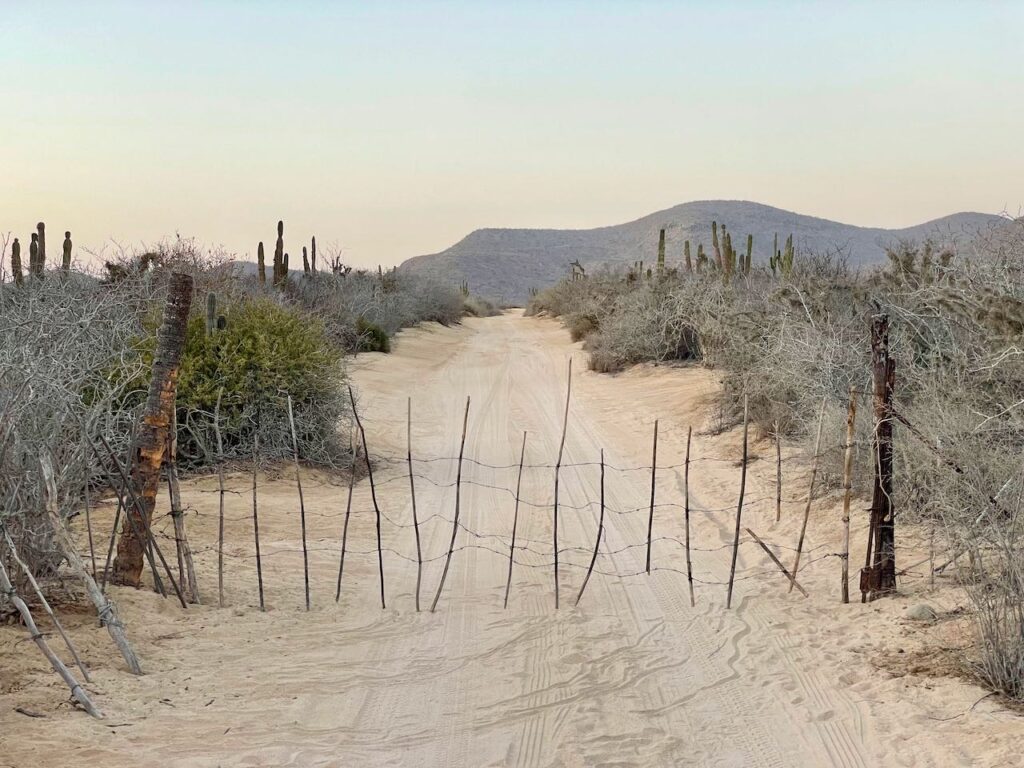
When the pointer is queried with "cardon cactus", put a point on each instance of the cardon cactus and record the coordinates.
(19, 278)
(211, 313)
(261, 264)
(41, 229)
(702, 259)
(65, 263)
(661, 250)
(280, 270)
(750, 255)
(33, 256)
(715, 245)
(686, 256)
(787, 257)
(305, 261)
(312, 255)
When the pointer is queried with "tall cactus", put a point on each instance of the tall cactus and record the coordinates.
(312, 255)
(261, 264)
(702, 258)
(65, 263)
(41, 229)
(750, 255)
(715, 244)
(284, 269)
(661, 250)
(305, 261)
(686, 256)
(728, 254)
(33, 256)
(19, 278)
(211, 313)
(787, 257)
(279, 264)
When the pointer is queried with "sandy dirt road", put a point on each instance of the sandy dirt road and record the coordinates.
(633, 676)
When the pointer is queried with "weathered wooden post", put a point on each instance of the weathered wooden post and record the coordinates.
(155, 427)
(654, 477)
(412, 490)
(600, 532)
(739, 508)
(455, 520)
(686, 514)
(880, 577)
(515, 521)
(373, 492)
(558, 469)
(810, 496)
(851, 417)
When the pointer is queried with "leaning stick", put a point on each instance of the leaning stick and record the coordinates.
(778, 474)
(412, 495)
(739, 508)
(220, 500)
(186, 568)
(88, 519)
(147, 531)
(515, 521)
(810, 495)
(76, 690)
(851, 415)
(105, 607)
(600, 533)
(455, 521)
(348, 512)
(778, 563)
(558, 467)
(302, 502)
(45, 603)
(113, 541)
(373, 494)
(255, 511)
(650, 517)
(686, 513)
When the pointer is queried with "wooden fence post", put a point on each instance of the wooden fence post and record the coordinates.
(515, 521)
(810, 496)
(373, 494)
(686, 514)
(455, 520)
(412, 495)
(650, 516)
(739, 508)
(255, 508)
(851, 416)
(348, 512)
(778, 474)
(558, 467)
(302, 501)
(882, 574)
(220, 501)
(600, 533)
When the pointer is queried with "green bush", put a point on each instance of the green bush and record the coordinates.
(266, 352)
(372, 338)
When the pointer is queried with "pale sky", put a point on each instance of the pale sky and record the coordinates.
(396, 128)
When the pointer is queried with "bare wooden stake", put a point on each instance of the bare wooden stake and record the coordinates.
(455, 521)
(88, 515)
(650, 517)
(220, 500)
(412, 496)
(105, 607)
(515, 521)
(45, 603)
(792, 581)
(373, 494)
(810, 494)
(851, 416)
(77, 691)
(186, 568)
(600, 532)
(348, 513)
(778, 474)
(739, 508)
(882, 575)
(558, 468)
(686, 514)
(302, 502)
(255, 509)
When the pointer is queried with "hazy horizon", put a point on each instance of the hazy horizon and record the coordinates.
(396, 129)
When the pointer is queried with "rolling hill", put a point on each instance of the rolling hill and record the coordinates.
(505, 264)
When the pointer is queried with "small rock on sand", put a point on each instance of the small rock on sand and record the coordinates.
(922, 612)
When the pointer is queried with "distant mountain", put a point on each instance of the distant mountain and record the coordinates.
(506, 263)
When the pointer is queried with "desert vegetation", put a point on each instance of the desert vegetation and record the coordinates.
(794, 332)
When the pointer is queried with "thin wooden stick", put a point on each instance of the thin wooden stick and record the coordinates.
(455, 521)
(302, 502)
(76, 690)
(373, 494)
(851, 416)
(810, 496)
(778, 563)
(186, 568)
(515, 521)
(113, 541)
(220, 500)
(558, 467)
(146, 535)
(778, 474)
(348, 513)
(412, 496)
(255, 508)
(739, 508)
(105, 607)
(600, 533)
(88, 516)
(650, 517)
(686, 514)
(45, 603)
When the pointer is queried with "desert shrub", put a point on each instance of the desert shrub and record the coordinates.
(266, 351)
(478, 306)
(372, 338)
(580, 325)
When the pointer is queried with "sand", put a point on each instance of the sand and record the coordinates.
(634, 676)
